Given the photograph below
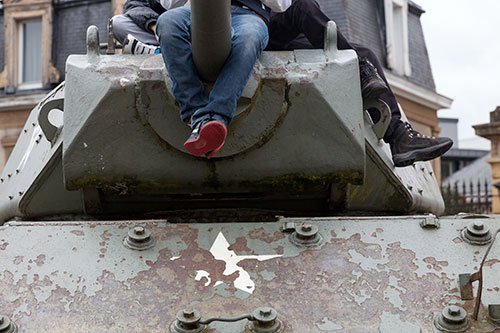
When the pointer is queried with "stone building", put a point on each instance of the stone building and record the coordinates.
(38, 35)
(491, 131)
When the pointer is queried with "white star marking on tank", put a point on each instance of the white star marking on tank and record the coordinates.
(220, 251)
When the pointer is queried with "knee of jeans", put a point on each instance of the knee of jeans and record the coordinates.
(171, 22)
(254, 38)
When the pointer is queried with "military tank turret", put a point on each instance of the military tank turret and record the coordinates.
(96, 198)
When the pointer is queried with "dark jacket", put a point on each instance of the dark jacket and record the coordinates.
(143, 12)
(256, 6)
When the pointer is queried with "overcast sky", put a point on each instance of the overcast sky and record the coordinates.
(463, 40)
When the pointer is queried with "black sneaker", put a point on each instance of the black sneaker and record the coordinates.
(372, 84)
(409, 146)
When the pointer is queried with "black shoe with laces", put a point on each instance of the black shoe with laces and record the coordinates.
(409, 146)
(372, 84)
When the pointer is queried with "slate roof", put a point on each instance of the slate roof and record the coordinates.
(363, 22)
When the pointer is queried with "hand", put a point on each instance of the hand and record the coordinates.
(152, 27)
(188, 3)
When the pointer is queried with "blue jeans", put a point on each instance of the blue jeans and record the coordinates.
(249, 38)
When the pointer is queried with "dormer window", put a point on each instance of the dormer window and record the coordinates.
(396, 21)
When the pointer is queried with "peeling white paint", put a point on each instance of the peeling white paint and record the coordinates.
(203, 274)
(367, 263)
(328, 325)
(174, 258)
(392, 323)
(220, 251)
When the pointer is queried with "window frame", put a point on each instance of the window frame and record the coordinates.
(20, 57)
(397, 60)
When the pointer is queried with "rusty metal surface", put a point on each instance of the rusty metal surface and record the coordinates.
(369, 275)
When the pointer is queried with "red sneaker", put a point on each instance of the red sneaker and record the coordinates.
(207, 138)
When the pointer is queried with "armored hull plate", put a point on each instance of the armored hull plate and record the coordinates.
(365, 275)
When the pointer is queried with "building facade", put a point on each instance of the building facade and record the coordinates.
(38, 35)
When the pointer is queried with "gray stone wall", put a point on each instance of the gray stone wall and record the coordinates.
(72, 19)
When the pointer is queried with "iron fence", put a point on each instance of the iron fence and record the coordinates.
(467, 198)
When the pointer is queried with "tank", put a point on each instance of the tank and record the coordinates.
(109, 225)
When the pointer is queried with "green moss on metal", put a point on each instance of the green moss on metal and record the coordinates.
(297, 182)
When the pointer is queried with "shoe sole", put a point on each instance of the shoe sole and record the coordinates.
(424, 154)
(209, 142)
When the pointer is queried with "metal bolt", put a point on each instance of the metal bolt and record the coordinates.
(9, 175)
(11, 197)
(478, 225)
(454, 310)
(21, 193)
(25, 130)
(477, 233)
(139, 238)
(17, 170)
(188, 313)
(8, 326)
(452, 319)
(1, 180)
(265, 312)
(410, 187)
(139, 231)
(306, 227)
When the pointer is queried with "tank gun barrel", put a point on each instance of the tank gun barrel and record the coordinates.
(211, 36)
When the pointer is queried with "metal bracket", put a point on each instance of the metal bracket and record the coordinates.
(48, 129)
(430, 222)
(93, 45)
(331, 39)
(381, 126)
(111, 38)
(261, 320)
(465, 281)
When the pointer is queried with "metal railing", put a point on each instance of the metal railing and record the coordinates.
(467, 198)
